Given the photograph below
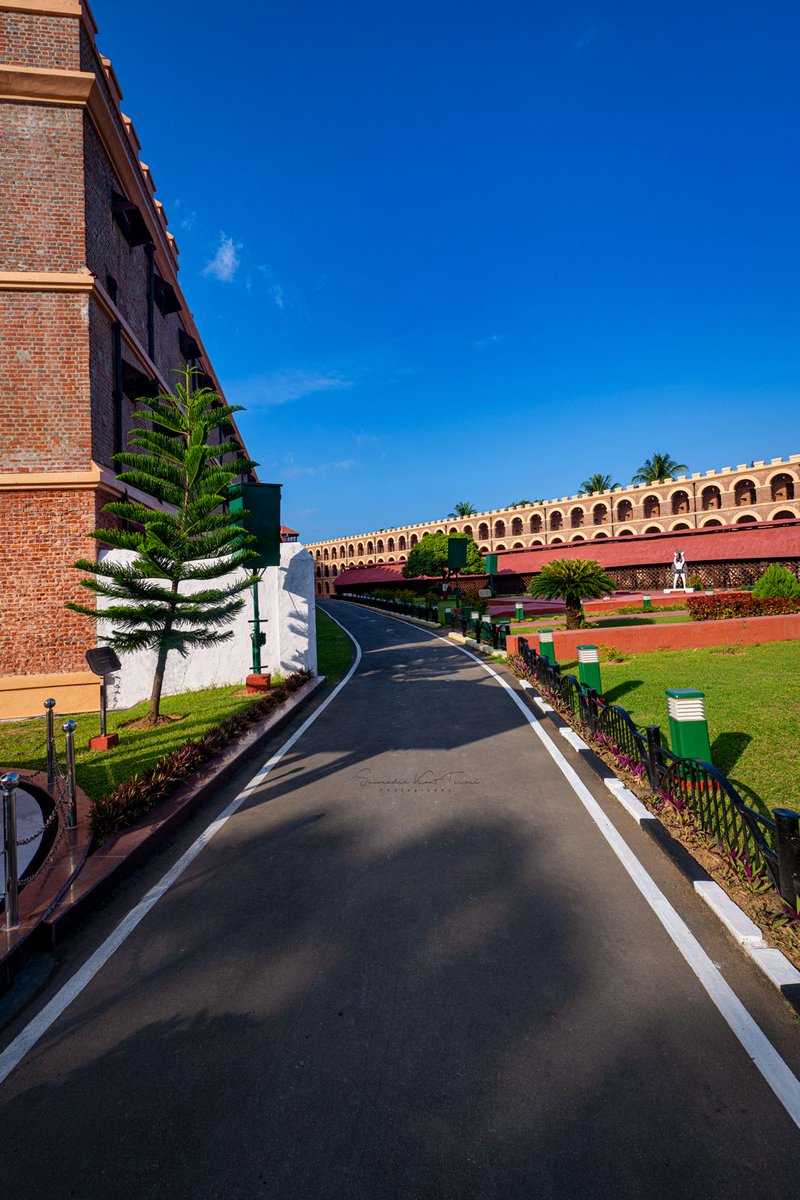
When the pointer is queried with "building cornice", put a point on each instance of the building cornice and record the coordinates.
(44, 8)
(94, 478)
(46, 281)
(40, 85)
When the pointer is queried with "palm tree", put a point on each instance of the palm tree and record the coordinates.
(520, 504)
(464, 508)
(658, 468)
(572, 580)
(597, 483)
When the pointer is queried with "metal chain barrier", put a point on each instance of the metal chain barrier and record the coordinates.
(62, 787)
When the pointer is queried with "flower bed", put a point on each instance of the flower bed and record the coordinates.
(133, 798)
(725, 606)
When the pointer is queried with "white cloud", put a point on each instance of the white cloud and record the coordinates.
(294, 469)
(283, 386)
(225, 263)
(278, 296)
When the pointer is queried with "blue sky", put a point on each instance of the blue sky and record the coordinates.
(461, 249)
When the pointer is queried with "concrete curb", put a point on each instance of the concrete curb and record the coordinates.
(747, 935)
(129, 848)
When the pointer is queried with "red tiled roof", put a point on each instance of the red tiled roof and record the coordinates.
(357, 576)
(699, 545)
(287, 532)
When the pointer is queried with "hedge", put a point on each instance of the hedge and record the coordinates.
(726, 605)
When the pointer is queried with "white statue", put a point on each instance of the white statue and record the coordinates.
(678, 573)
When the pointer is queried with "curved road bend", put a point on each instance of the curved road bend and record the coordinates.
(410, 966)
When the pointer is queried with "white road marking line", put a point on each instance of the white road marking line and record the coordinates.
(757, 1046)
(35, 1029)
(778, 1076)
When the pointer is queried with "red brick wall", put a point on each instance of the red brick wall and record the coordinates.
(43, 532)
(41, 164)
(44, 360)
(31, 40)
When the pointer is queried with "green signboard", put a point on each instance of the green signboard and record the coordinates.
(456, 553)
(490, 564)
(262, 503)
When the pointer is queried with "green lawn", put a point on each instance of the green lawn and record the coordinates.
(752, 702)
(334, 649)
(22, 742)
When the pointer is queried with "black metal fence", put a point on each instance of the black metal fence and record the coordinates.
(405, 608)
(759, 848)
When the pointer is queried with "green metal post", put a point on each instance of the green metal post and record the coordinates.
(647, 603)
(589, 668)
(688, 726)
(546, 647)
(256, 633)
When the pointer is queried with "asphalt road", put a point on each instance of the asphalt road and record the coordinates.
(410, 966)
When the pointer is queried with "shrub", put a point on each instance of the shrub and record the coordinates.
(133, 799)
(777, 582)
(405, 596)
(724, 607)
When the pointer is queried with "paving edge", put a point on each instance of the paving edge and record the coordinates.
(113, 861)
(781, 973)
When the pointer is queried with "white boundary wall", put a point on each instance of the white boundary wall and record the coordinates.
(286, 599)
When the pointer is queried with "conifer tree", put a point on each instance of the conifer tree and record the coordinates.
(188, 535)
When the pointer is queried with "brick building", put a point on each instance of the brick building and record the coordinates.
(91, 316)
(729, 498)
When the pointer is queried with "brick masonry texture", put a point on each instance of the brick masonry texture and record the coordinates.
(44, 362)
(41, 176)
(43, 533)
(31, 39)
(57, 347)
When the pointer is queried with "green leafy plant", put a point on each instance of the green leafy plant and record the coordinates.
(463, 508)
(658, 468)
(187, 536)
(429, 557)
(695, 581)
(777, 582)
(572, 580)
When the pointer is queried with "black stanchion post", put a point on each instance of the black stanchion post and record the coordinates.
(787, 836)
(654, 760)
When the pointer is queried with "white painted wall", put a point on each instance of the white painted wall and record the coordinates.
(286, 599)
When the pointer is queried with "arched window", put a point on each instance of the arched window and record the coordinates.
(556, 541)
(652, 529)
(518, 546)
(453, 529)
(624, 510)
(499, 529)
(390, 545)
(333, 552)
(680, 503)
(556, 520)
(325, 553)
(784, 516)
(710, 522)
(652, 507)
(370, 548)
(576, 518)
(535, 524)
(379, 546)
(710, 497)
(425, 533)
(500, 547)
(599, 514)
(744, 493)
(414, 540)
(350, 551)
(625, 533)
(516, 527)
(318, 554)
(342, 551)
(327, 589)
(578, 538)
(360, 548)
(483, 531)
(598, 536)
(401, 543)
(442, 531)
(782, 487)
(468, 530)
(318, 572)
(537, 542)
(747, 519)
(681, 525)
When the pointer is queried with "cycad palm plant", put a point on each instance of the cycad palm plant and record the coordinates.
(658, 468)
(572, 580)
(191, 538)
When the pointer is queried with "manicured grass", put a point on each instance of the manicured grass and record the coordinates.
(604, 622)
(334, 649)
(22, 742)
(752, 703)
